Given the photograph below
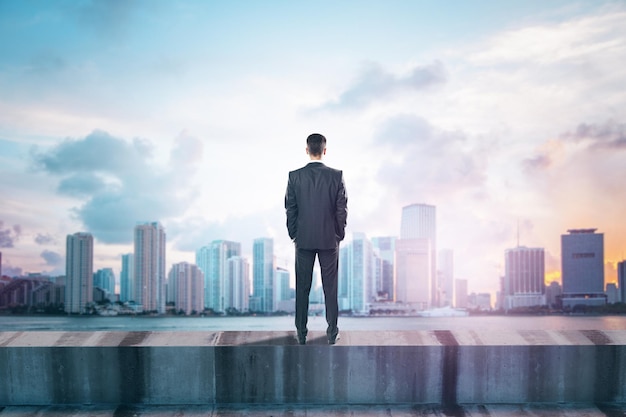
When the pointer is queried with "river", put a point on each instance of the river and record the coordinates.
(282, 323)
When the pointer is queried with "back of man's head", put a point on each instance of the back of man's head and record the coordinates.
(316, 144)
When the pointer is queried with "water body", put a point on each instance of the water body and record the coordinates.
(284, 323)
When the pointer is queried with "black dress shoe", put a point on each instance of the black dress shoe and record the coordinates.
(333, 340)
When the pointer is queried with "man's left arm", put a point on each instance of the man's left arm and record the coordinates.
(341, 213)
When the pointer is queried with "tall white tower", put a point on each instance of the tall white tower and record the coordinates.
(150, 266)
(185, 286)
(239, 282)
(79, 272)
(419, 222)
(263, 273)
(127, 287)
(413, 272)
(446, 277)
(524, 277)
(357, 271)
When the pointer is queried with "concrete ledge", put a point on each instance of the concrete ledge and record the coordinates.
(441, 368)
(281, 410)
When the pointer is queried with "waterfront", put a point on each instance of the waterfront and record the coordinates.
(285, 323)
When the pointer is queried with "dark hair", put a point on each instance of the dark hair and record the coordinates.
(316, 144)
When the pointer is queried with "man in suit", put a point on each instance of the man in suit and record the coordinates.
(316, 206)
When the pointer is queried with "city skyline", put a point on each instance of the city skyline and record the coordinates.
(224, 250)
(193, 113)
(362, 286)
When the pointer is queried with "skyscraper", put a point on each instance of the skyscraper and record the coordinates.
(105, 279)
(203, 255)
(127, 287)
(263, 272)
(582, 267)
(78, 272)
(185, 288)
(281, 285)
(358, 273)
(524, 279)
(419, 222)
(460, 293)
(413, 272)
(219, 288)
(386, 251)
(446, 277)
(149, 266)
(239, 281)
(621, 280)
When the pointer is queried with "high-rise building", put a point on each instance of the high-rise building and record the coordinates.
(358, 273)
(413, 272)
(281, 285)
(524, 284)
(238, 279)
(446, 277)
(480, 301)
(78, 272)
(263, 272)
(203, 255)
(127, 287)
(219, 288)
(149, 266)
(460, 293)
(553, 294)
(185, 287)
(612, 294)
(582, 267)
(621, 281)
(105, 279)
(419, 222)
(386, 247)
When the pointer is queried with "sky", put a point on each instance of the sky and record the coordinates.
(509, 117)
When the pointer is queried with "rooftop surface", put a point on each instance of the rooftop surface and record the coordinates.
(278, 338)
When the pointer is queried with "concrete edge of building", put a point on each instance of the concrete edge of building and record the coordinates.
(444, 368)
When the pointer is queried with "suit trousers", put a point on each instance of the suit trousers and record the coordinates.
(329, 265)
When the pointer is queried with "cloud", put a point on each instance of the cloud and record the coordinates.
(537, 162)
(192, 233)
(9, 236)
(374, 83)
(608, 135)
(119, 183)
(44, 239)
(574, 41)
(579, 143)
(97, 152)
(81, 185)
(433, 163)
(52, 258)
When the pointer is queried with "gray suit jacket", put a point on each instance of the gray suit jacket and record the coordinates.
(316, 206)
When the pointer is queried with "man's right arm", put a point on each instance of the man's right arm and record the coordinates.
(291, 208)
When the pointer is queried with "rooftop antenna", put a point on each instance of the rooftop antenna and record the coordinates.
(518, 233)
